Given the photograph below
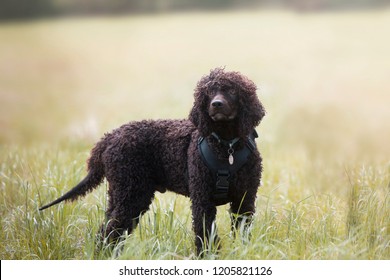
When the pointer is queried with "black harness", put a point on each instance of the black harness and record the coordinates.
(225, 168)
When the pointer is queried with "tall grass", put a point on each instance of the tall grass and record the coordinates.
(293, 223)
(322, 78)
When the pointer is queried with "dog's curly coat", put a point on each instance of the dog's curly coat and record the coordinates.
(140, 158)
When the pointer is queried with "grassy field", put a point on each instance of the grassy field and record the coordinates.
(323, 78)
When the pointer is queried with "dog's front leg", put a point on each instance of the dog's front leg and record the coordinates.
(201, 185)
(204, 214)
(203, 217)
(244, 196)
(242, 210)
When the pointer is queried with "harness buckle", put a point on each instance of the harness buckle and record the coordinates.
(222, 185)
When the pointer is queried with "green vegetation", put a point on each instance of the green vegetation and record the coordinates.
(323, 79)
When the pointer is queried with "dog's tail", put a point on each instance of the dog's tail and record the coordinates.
(91, 181)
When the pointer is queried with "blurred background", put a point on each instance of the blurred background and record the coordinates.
(30, 9)
(71, 70)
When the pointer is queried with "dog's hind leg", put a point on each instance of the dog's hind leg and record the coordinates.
(126, 206)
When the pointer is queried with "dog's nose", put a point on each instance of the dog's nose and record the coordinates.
(217, 103)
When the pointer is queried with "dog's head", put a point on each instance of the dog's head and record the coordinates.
(226, 98)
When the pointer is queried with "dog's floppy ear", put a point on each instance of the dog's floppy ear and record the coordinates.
(194, 116)
(198, 115)
(251, 110)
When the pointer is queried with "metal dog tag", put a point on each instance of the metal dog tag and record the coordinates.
(231, 152)
(231, 159)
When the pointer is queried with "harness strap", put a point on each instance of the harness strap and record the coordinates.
(222, 169)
